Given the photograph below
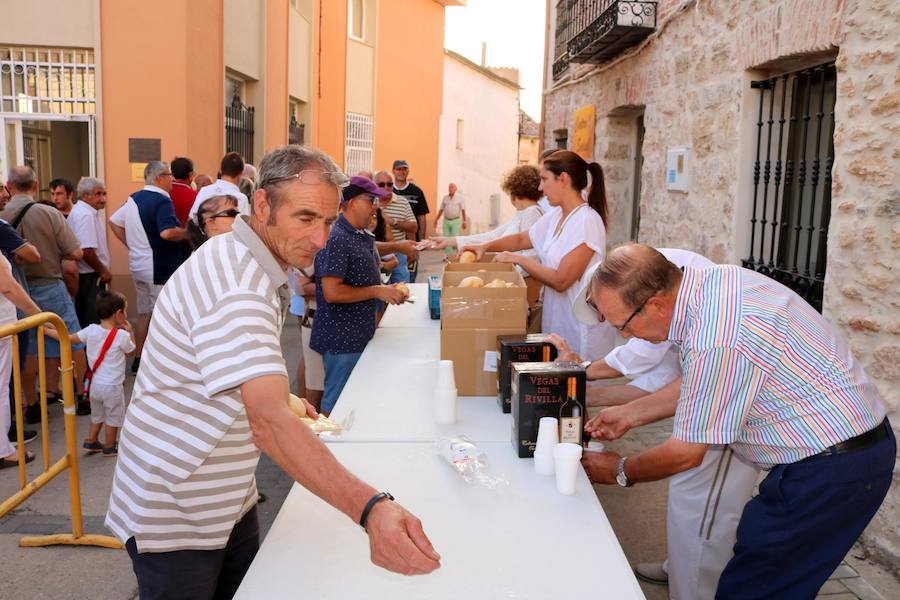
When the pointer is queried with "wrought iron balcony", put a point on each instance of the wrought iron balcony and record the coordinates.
(595, 31)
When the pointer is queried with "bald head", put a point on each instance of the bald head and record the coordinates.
(636, 272)
(21, 180)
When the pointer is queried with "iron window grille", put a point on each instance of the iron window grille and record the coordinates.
(359, 143)
(792, 177)
(239, 120)
(296, 131)
(47, 80)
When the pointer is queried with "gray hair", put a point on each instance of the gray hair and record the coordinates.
(87, 185)
(250, 172)
(153, 170)
(21, 178)
(636, 272)
(278, 167)
(385, 173)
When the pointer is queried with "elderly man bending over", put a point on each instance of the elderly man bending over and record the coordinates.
(212, 392)
(765, 373)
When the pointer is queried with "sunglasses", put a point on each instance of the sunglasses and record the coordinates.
(384, 184)
(633, 315)
(230, 213)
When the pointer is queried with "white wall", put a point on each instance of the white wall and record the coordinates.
(299, 51)
(490, 113)
(53, 23)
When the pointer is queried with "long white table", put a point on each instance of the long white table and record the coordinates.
(523, 541)
(388, 397)
(411, 314)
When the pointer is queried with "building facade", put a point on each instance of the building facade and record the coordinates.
(761, 133)
(478, 146)
(102, 87)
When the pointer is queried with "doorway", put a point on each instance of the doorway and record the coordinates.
(54, 146)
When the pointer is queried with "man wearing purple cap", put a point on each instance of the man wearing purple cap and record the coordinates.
(348, 286)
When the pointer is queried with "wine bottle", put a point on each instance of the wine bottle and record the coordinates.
(571, 421)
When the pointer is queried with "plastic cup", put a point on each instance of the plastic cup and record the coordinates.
(544, 463)
(445, 406)
(548, 435)
(445, 378)
(594, 446)
(566, 460)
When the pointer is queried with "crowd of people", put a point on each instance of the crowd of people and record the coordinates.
(756, 380)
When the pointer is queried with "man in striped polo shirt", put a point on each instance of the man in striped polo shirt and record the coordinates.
(212, 392)
(765, 373)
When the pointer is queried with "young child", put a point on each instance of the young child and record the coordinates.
(107, 392)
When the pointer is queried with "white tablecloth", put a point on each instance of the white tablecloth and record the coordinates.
(411, 314)
(388, 397)
(522, 541)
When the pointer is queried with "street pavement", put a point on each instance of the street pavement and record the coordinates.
(79, 573)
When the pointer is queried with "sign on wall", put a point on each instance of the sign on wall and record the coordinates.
(583, 132)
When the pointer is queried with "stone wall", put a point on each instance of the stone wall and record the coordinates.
(862, 285)
(691, 79)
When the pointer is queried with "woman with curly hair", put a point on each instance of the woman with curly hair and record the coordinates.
(522, 186)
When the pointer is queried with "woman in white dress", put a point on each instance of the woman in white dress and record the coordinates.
(568, 240)
(522, 184)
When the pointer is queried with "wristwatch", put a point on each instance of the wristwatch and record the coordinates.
(621, 477)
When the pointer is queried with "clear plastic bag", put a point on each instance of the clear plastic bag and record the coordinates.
(468, 460)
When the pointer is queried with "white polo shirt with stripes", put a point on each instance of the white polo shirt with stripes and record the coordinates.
(185, 471)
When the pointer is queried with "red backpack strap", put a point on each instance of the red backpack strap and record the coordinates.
(110, 338)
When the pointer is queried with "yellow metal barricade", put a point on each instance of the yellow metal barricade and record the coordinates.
(70, 460)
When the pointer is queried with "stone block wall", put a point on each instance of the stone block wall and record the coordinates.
(691, 79)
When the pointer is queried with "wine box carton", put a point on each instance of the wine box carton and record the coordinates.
(547, 389)
(518, 348)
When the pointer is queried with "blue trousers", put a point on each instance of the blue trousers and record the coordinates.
(807, 515)
(337, 371)
(401, 271)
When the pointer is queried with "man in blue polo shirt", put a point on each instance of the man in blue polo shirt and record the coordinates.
(348, 286)
(147, 225)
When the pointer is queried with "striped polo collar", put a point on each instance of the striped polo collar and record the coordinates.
(243, 233)
(687, 289)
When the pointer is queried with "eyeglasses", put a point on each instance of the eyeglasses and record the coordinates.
(230, 213)
(634, 314)
(384, 184)
(373, 199)
(313, 177)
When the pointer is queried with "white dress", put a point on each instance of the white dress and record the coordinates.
(582, 226)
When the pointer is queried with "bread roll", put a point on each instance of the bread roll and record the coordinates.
(468, 257)
(497, 283)
(472, 281)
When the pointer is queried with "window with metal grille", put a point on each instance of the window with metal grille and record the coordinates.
(359, 144)
(296, 129)
(792, 179)
(47, 80)
(239, 120)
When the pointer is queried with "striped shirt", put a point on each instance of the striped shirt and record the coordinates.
(398, 210)
(763, 370)
(185, 472)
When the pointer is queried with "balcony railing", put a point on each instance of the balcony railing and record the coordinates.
(594, 31)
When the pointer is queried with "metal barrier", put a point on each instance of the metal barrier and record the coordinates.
(70, 460)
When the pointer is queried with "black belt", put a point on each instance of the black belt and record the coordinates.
(860, 442)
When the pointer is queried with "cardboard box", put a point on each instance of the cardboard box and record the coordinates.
(488, 267)
(518, 348)
(541, 390)
(471, 320)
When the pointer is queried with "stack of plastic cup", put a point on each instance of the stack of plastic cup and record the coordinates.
(566, 460)
(445, 394)
(547, 440)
